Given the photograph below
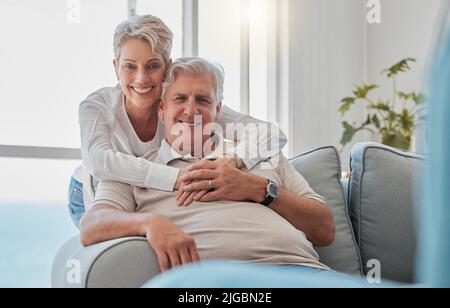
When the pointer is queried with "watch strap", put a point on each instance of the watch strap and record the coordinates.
(269, 199)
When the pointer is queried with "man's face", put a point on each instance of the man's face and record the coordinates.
(187, 108)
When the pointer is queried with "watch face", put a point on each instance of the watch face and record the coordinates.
(273, 190)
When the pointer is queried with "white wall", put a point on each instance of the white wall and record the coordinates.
(326, 60)
(407, 29)
(332, 48)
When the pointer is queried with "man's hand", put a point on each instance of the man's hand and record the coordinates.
(185, 198)
(173, 247)
(229, 183)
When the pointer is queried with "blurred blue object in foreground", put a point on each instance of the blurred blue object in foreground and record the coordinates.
(434, 241)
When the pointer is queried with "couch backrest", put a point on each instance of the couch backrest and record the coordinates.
(382, 208)
(322, 169)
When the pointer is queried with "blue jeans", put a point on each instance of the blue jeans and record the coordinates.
(76, 203)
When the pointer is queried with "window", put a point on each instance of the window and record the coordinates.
(54, 54)
(258, 56)
(35, 180)
(239, 38)
(171, 12)
(220, 40)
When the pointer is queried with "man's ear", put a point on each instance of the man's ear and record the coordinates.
(161, 110)
(116, 68)
(218, 111)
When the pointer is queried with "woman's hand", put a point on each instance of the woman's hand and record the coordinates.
(172, 246)
(185, 198)
(179, 183)
(228, 183)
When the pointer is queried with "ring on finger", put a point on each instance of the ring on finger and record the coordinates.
(211, 187)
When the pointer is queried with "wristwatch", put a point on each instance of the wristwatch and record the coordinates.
(272, 192)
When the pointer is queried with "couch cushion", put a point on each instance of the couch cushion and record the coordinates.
(381, 207)
(322, 169)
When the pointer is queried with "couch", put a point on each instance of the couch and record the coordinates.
(374, 212)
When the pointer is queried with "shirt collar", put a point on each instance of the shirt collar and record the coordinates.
(167, 154)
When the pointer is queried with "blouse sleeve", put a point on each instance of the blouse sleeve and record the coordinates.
(256, 140)
(105, 164)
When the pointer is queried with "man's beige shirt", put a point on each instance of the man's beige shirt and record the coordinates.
(242, 231)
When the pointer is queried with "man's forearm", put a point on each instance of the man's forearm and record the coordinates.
(310, 216)
(307, 215)
(104, 223)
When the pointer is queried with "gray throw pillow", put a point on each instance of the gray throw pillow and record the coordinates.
(322, 169)
(382, 208)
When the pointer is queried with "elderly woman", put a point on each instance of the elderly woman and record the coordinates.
(120, 124)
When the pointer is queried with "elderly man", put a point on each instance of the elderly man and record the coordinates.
(272, 216)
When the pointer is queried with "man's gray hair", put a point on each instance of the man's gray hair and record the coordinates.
(147, 28)
(196, 67)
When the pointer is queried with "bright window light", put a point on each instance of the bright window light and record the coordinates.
(219, 40)
(258, 49)
(171, 12)
(54, 53)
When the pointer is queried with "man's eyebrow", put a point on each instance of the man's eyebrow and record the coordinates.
(151, 60)
(154, 60)
(203, 96)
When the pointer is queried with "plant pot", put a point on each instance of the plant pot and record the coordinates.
(396, 140)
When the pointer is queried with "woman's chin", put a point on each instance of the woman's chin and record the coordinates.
(143, 101)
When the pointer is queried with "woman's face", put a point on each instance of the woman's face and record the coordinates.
(140, 72)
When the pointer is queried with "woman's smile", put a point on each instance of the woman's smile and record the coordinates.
(142, 91)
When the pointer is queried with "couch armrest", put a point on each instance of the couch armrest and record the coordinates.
(121, 263)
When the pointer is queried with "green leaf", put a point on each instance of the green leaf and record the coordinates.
(391, 117)
(362, 90)
(406, 96)
(380, 106)
(383, 130)
(399, 67)
(375, 121)
(418, 98)
(406, 123)
(346, 104)
(366, 123)
(347, 135)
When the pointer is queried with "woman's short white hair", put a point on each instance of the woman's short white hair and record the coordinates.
(148, 28)
(196, 67)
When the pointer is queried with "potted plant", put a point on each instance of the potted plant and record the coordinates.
(393, 119)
